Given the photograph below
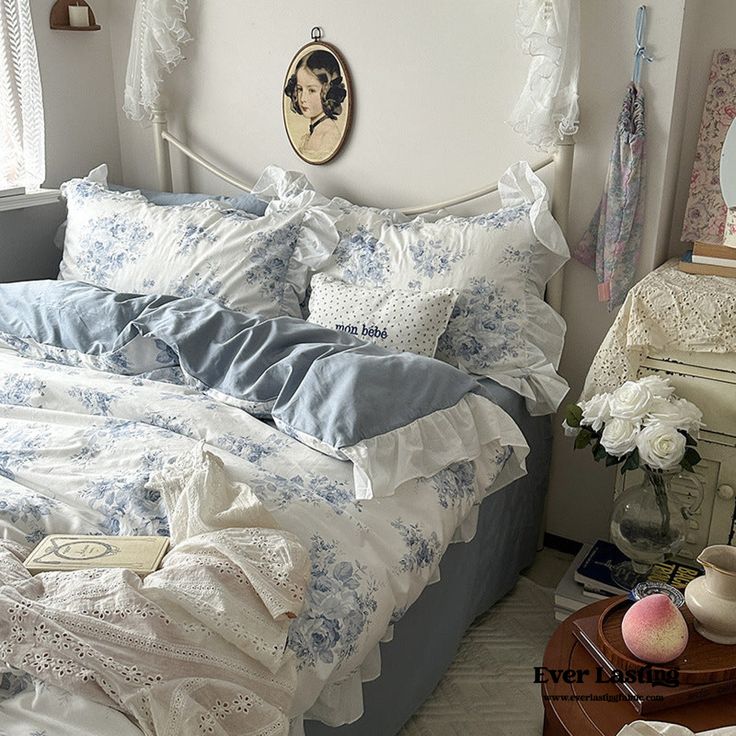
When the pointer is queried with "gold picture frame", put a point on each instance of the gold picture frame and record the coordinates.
(317, 102)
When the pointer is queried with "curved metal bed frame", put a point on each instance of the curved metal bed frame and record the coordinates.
(562, 161)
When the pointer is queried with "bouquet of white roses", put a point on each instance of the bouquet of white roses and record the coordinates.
(640, 424)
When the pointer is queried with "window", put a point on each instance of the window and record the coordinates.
(22, 149)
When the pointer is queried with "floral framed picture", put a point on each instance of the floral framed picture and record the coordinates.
(317, 102)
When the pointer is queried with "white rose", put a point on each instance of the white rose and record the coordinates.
(661, 446)
(619, 437)
(630, 401)
(596, 411)
(690, 417)
(680, 413)
(658, 386)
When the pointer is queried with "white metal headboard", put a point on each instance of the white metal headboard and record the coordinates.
(562, 160)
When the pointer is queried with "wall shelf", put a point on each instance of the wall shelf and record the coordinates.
(76, 28)
(59, 19)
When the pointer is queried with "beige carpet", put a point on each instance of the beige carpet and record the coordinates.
(489, 688)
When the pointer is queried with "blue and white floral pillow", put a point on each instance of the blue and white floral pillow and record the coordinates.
(499, 263)
(122, 242)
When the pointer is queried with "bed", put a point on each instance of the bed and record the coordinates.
(327, 554)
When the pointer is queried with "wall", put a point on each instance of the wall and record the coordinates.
(81, 131)
(432, 90)
(420, 126)
(581, 490)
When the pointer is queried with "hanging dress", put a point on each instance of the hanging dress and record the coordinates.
(612, 241)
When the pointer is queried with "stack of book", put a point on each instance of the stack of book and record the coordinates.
(12, 192)
(710, 259)
(591, 577)
(569, 593)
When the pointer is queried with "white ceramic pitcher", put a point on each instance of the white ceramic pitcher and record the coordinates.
(711, 598)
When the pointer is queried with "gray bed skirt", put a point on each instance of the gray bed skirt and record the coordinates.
(473, 577)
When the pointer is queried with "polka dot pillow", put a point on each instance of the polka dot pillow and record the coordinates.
(397, 319)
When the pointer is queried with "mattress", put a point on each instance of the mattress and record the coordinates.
(79, 447)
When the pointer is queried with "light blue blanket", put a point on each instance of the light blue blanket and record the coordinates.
(319, 383)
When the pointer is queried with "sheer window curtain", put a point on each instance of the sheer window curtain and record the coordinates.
(22, 146)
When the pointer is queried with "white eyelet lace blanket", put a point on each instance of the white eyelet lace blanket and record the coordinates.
(671, 310)
(199, 646)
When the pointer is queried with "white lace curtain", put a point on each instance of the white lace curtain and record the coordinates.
(548, 106)
(22, 147)
(159, 30)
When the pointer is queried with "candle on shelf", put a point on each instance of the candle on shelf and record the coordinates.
(78, 16)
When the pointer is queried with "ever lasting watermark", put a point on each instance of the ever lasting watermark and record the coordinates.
(648, 675)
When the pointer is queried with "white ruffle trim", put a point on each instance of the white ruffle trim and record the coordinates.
(284, 188)
(537, 381)
(547, 108)
(316, 242)
(159, 30)
(342, 702)
(429, 444)
(287, 191)
(520, 185)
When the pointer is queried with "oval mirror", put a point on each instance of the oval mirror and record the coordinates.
(728, 166)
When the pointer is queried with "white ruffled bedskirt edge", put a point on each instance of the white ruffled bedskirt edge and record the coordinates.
(342, 702)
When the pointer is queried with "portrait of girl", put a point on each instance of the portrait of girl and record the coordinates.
(317, 103)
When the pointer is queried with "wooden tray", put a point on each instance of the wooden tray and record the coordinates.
(702, 661)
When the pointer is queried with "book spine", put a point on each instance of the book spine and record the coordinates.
(14, 192)
(716, 250)
(595, 594)
(711, 261)
(592, 584)
(569, 604)
(700, 269)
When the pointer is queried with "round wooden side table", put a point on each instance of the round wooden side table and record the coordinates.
(581, 709)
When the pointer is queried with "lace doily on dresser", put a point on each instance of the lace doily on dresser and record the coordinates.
(671, 310)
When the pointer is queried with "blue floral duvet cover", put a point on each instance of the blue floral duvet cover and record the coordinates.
(78, 446)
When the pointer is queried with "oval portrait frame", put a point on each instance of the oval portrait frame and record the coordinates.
(298, 126)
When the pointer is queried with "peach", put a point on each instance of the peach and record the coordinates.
(654, 630)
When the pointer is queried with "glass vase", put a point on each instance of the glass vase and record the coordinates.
(649, 524)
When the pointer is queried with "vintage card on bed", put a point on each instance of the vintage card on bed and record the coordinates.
(65, 552)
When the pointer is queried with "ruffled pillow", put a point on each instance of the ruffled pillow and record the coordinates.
(499, 263)
(120, 241)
